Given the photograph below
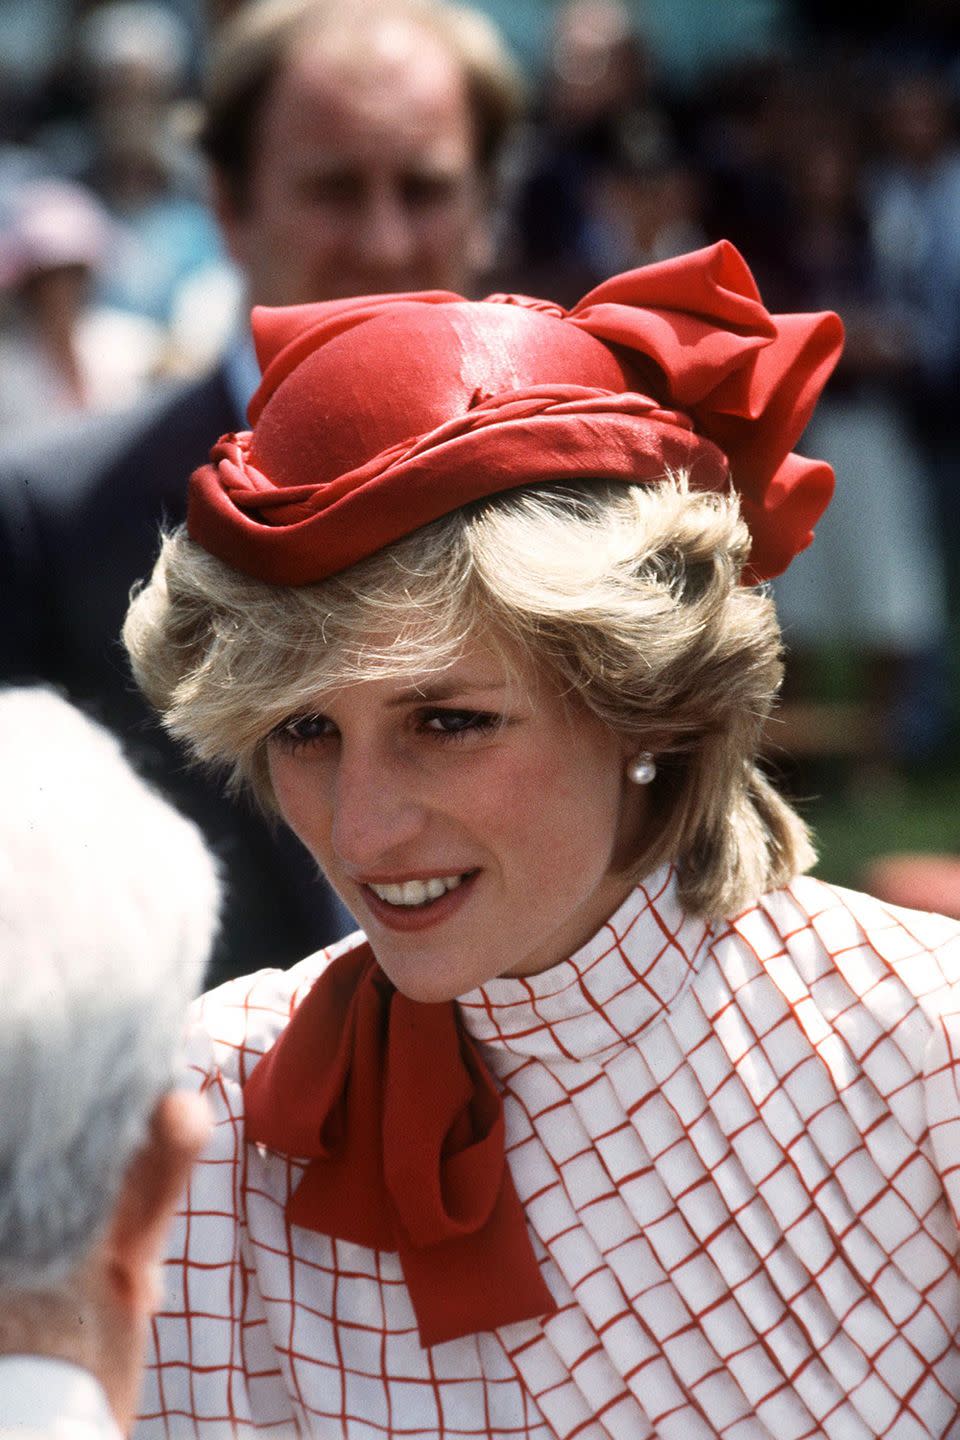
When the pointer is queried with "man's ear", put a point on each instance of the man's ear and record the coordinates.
(151, 1190)
(224, 204)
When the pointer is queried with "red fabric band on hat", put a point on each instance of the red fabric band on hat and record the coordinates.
(275, 533)
(380, 414)
(392, 1104)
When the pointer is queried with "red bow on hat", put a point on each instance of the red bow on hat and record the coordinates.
(380, 414)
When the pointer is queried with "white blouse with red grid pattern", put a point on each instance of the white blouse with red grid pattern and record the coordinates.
(737, 1148)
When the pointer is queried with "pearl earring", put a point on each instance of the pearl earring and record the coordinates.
(642, 768)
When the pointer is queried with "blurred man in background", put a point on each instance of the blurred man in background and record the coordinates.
(108, 905)
(353, 147)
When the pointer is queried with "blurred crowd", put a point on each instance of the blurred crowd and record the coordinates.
(833, 162)
(112, 269)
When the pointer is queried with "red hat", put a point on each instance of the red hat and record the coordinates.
(380, 414)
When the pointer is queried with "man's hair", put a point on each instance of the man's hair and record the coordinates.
(108, 906)
(250, 52)
(628, 597)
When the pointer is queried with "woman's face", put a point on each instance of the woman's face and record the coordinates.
(474, 823)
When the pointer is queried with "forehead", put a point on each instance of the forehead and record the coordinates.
(371, 674)
(391, 89)
(473, 666)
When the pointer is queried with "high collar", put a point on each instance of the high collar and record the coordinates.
(615, 986)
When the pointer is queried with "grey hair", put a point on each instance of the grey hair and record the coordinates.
(108, 907)
(629, 597)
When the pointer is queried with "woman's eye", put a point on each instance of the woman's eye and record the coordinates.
(302, 729)
(454, 724)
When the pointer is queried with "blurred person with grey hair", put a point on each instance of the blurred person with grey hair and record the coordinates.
(108, 905)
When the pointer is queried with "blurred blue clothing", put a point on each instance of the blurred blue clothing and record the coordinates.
(166, 241)
(915, 227)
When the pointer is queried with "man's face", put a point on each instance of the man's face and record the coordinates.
(364, 175)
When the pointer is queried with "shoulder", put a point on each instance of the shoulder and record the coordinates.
(64, 467)
(70, 449)
(841, 1015)
(231, 1027)
(868, 936)
(850, 964)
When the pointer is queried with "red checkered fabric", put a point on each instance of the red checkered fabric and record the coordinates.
(738, 1149)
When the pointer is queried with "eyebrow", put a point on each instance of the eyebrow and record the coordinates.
(445, 690)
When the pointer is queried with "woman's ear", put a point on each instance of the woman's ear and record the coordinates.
(151, 1191)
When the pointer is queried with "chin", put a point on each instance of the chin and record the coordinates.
(426, 978)
(426, 989)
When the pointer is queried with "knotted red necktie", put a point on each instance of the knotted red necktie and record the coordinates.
(391, 1102)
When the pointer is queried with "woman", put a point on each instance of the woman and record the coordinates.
(612, 1126)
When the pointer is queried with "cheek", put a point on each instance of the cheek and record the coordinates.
(537, 815)
(517, 795)
(459, 236)
(286, 220)
(574, 813)
(298, 796)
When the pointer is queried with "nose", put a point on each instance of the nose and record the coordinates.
(386, 239)
(377, 812)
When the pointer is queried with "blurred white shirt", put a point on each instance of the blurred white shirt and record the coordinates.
(41, 1396)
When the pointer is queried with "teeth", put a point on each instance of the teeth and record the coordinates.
(417, 892)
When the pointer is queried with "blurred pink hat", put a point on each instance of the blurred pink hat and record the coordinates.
(47, 224)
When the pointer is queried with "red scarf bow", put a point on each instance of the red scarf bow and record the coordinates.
(391, 1102)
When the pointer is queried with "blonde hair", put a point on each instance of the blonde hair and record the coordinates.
(628, 597)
